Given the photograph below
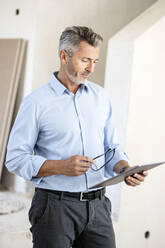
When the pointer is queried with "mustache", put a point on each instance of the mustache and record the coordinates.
(86, 73)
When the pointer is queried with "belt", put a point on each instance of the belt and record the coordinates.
(81, 196)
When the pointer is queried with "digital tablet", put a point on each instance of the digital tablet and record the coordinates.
(121, 177)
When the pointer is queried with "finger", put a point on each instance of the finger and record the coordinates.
(86, 159)
(145, 173)
(82, 171)
(84, 164)
(140, 177)
(130, 183)
(133, 180)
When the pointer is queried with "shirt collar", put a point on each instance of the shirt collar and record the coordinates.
(59, 88)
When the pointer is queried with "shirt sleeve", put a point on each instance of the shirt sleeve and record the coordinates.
(20, 158)
(111, 140)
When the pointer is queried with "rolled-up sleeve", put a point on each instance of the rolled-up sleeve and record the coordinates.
(20, 158)
(112, 141)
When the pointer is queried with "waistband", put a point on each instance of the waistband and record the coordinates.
(81, 196)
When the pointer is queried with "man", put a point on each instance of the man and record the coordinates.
(67, 123)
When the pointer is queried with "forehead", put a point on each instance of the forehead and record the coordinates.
(87, 50)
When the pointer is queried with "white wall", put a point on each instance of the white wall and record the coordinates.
(19, 26)
(41, 22)
(118, 76)
(135, 70)
(146, 134)
(105, 17)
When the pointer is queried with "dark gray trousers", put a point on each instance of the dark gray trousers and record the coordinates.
(68, 222)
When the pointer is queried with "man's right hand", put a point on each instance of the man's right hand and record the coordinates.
(76, 165)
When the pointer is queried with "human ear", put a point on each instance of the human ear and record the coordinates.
(63, 57)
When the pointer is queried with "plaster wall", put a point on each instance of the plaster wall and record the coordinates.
(19, 26)
(135, 65)
(41, 22)
(145, 142)
(105, 17)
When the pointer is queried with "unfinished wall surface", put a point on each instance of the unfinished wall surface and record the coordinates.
(41, 23)
(105, 17)
(146, 135)
(11, 63)
(135, 66)
(22, 25)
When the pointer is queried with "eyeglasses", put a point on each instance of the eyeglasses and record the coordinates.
(107, 157)
(69, 52)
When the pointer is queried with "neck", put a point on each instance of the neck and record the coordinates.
(71, 86)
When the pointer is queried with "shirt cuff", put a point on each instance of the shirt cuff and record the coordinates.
(119, 155)
(37, 162)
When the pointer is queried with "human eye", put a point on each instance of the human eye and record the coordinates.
(85, 60)
(96, 61)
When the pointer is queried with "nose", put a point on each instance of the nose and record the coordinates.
(90, 67)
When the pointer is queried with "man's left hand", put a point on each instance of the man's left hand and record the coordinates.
(136, 178)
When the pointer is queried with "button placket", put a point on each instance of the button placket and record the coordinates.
(76, 97)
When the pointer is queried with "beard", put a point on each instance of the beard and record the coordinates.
(73, 78)
(72, 75)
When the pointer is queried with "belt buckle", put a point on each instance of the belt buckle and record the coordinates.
(81, 197)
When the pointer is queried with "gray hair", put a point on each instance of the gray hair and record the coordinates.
(72, 36)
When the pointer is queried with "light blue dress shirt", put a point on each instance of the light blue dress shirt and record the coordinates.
(54, 124)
